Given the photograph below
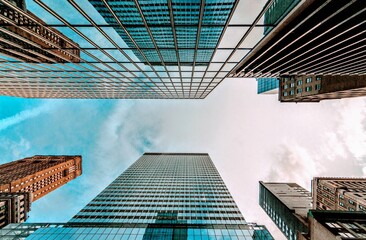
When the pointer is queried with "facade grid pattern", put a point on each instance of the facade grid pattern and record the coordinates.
(158, 49)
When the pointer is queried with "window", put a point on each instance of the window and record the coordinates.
(318, 78)
(285, 94)
(308, 80)
(299, 82)
(341, 204)
(351, 202)
(317, 87)
(299, 90)
(308, 89)
(292, 85)
(285, 87)
(292, 92)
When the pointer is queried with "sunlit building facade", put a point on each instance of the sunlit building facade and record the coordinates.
(39, 175)
(160, 196)
(344, 194)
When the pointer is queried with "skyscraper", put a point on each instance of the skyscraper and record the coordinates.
(311, 88)
(276, 12)
(39, 175)
(287, 204)
(28, 179)
(177, 32)
(161, 196)
(318, 37)
(173, 49)
(267, 85)
(345, 194)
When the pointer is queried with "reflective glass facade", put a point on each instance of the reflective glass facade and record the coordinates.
(277, 11)
(173, 32)
(267, 85)
(160, 196)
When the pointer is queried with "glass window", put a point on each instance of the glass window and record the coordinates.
(308, 89)
(308, 80)
(299, 82)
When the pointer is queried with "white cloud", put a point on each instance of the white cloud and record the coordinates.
(23, 115)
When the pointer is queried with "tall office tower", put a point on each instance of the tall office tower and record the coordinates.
(14, 207)
(346, 194)
(317, 37)
(311, 88)
(177, 32)
(335, 225)
(38, 175)
(161, 196)
(267, 85)
(24, 37)
(287, 204)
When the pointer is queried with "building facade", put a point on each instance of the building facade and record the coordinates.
(312, 88)
(14, 207)
(318, 37)
(335, 225)
(24, 37)
(276, 12)
(267, 85)
(175, 33)
(344, 194)
(287, 204)
(39, 175)
(160, 196)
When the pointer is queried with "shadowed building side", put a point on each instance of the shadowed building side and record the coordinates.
(287, 205)
(335, 225)
(312, 88)
(14, 207)
(317, 37)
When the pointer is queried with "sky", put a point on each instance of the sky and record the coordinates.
(249, 137)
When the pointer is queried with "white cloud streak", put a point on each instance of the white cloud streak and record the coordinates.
(23, 115)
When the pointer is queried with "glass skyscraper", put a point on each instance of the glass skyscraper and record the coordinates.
(160, 196)
(267, 85)
(173, 32)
